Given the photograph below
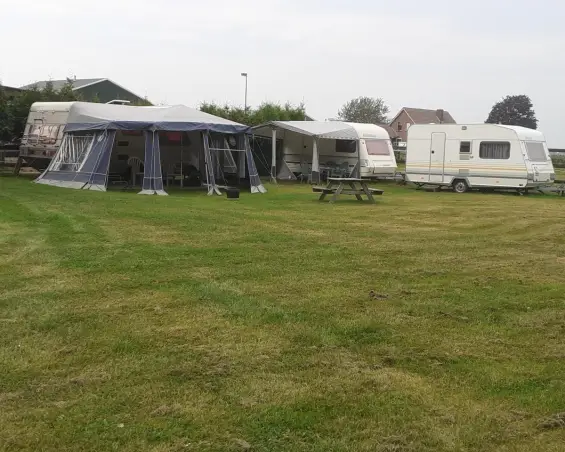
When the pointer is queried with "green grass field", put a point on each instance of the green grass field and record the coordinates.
(189, 323)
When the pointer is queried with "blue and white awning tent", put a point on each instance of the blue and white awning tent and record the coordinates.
(83, 159)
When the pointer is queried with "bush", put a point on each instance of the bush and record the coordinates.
(558, 160)
(400, 156)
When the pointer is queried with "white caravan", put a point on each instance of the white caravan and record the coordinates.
(310, 147)
(478, 156)
(43, 132)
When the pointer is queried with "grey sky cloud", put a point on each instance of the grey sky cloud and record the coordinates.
(458, 55)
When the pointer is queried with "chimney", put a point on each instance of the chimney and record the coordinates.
(439, 114)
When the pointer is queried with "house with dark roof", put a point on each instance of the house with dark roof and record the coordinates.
(410, 116)
(102, 89)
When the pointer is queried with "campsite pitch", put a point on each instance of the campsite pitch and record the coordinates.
(428, 322)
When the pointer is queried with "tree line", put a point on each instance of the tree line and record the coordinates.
(14, 109)
(511, 110)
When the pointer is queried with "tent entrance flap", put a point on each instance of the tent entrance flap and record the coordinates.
(221, 165)
(152, 173)
(81, 161)
(315, 179)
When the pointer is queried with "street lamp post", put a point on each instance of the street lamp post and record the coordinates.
(244, 74)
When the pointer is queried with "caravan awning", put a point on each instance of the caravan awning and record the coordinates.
(91, 116)
(335, 130)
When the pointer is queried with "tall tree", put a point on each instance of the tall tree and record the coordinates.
(365, 110)
(514, 111)
(6, 117)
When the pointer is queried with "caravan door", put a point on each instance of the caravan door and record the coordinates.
(437, 157)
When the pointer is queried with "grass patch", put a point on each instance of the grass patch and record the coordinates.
(192, 323)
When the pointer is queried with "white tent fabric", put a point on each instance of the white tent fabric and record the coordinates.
(89, 116)
(336, 130)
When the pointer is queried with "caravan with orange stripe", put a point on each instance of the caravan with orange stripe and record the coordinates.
(478, 156)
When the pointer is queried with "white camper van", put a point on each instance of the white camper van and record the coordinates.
(43, 132)
(478, 156)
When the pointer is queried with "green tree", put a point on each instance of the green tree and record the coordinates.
(514, 111)
(6, 118)
(267, 111)
(142, 103)
(364, 110)
(19, 107)
(65, 94)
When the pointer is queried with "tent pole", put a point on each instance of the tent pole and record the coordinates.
(274, 156)
(358, 144)
(181, 161)
(315, 179)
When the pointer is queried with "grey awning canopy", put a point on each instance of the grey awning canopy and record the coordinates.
(335, 130)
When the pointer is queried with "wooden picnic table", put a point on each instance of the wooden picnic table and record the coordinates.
(560, 189)
(347, 186)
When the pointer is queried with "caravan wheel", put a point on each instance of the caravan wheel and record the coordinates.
(460, 186)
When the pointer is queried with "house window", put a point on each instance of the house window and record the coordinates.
(407, 125)
(496, 150)
(465, 147)
(399, 126)
(346, 146)
(377, 147)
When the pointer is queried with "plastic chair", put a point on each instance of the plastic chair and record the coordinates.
(136, 165)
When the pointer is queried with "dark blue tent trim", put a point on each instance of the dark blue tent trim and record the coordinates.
(152, 176)
(166, 126)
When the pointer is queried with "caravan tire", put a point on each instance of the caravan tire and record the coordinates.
(460, 186)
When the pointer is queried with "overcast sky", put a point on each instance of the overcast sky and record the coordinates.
(462, 56)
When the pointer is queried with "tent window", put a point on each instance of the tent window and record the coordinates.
(172, 139)
(72, 153)
(377, 147)
(495, 150)
(346, 146)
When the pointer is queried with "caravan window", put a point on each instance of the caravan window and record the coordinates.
(536, 151)
(377, 147)
(49, 134)
(35, 130)
(465, 147)
(346, 146)
(497, 150)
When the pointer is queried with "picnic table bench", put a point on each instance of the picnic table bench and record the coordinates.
(347, 186)
(560, 189)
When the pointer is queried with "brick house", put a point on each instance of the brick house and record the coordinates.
(409, 116)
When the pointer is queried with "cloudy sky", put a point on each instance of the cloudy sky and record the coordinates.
(458, 55)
